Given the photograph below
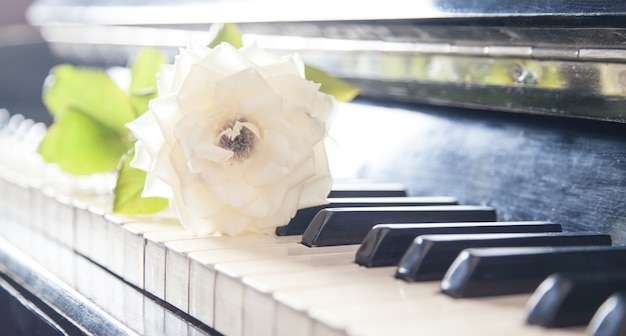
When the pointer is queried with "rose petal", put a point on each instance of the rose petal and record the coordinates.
(148, 133)
(196, 137)
(155, 187)
(165, 112)
(164, 79)
(141, 159)
(197, 89)
(317, 188)
(264, 206)
(295, 90)
(225, 59)
(192, 191)
(284, 214)
(271, 163)
(259, 56)
(230, 91)
(182, 65)
(269, 64)
(313, 129)
(325, 109)
(232, 222)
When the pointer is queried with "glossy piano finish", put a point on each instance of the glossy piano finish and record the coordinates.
(489, 271)
(527, 167)
(610, 318)
(567, 299)
(386, 244)
(344, 226)
(303, 217)
(430, 256)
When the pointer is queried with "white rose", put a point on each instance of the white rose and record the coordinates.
(235, 139)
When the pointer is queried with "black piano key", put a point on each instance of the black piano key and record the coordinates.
(367, 190)
(384, 245)
(345, 226)
(430, 256)
(303, 217)
(610, 319)
(508, 270)
(571, 299)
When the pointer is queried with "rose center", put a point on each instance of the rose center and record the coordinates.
(238, 136)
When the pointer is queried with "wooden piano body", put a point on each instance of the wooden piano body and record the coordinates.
(534, 148)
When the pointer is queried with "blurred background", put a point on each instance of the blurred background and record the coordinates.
(25, 60)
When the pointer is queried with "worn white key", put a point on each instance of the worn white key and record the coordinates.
(177, 262)
(202, 270)
(101, 247)
(82, 228)
(230, 288)
(48, 210)
(35, 206)
(20, 211)
(292, 304)
(90, 238)
(118, 227)
(49, 225)
(134, 247)
(427, 309)
(503, 315)
(261, 308)
(64, 215)
(154, 256)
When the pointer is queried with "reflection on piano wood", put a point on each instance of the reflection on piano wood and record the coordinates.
(149, 276)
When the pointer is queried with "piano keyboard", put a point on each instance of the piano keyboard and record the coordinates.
(253, 284)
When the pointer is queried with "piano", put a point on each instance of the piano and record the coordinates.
(512, 106)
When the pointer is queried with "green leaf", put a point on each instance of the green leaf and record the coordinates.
(143, 85)
(144, 70)
(229, 33)
(128, 200)
(90, 91)
(81, 145)
(340, 89)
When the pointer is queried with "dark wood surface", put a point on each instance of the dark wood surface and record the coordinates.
(570, 171)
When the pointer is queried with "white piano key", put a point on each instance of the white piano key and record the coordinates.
(229, 287)
(261, 291)
(502, 315)
(100, 241)
(427, 310)
(11, 194)
(65, 221)
(133, 309)
(177, 264)
(292, 304)
(135, 244)
(115, 256)
(82, 227)
(21, 200)
(35, 204)
(3, 193)
(194, 330)
(100, 247)
(174, 325)
(48, 210)
(202, 272)
(154, 258)
(154, 317)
